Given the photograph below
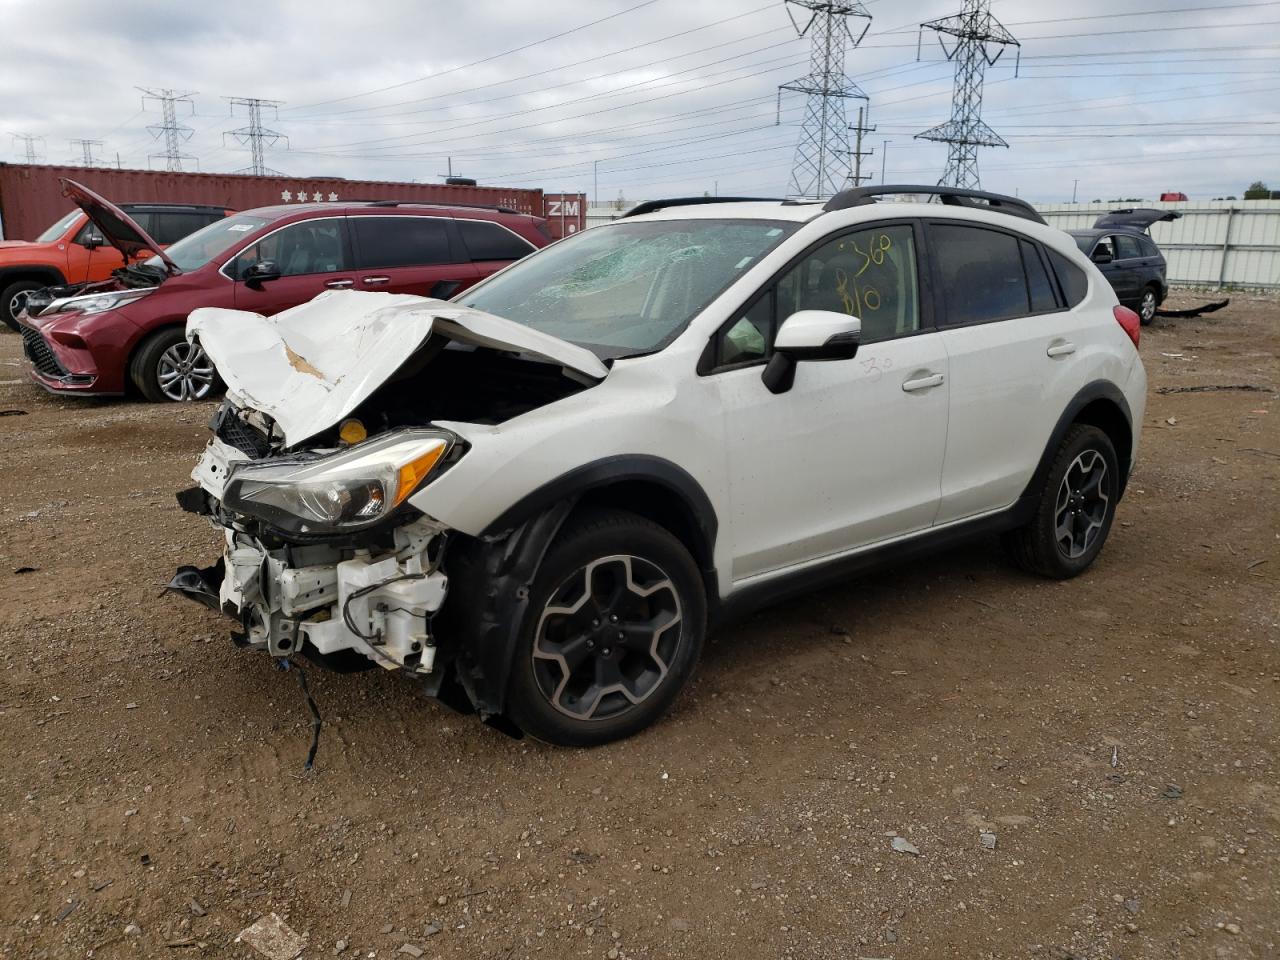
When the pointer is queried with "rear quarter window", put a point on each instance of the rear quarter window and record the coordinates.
(488, 241)
(1071, 278)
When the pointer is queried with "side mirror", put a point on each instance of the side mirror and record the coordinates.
(810, 335)
(1101, 256)
(256, 274)
(92, 241)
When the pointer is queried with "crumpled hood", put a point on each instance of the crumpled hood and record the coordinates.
(310, 366)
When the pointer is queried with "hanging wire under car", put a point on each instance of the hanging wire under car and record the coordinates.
(285, 664)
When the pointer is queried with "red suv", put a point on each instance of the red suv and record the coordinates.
(128, 333)
(73, 251)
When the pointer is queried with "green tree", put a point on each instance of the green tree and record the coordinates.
(1257, 191)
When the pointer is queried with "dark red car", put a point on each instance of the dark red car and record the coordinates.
(127, 334)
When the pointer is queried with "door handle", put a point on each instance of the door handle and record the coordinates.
(923, 383)
(372, 280)
(339, 284)
(1061, 349)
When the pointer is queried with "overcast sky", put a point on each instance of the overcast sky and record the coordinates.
(670, 97)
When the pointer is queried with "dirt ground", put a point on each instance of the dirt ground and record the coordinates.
(1117, 734)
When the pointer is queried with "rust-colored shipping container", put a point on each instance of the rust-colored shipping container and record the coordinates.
(31, 194)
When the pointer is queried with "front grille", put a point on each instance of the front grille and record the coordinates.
(237, 433)
(40, 353)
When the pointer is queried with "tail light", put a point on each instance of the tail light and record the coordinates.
(1129, 320)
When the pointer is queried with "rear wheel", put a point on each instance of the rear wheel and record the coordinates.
(13, 298)
(1147, 306)
(616, 622)
(1077, 505)
(168, 369)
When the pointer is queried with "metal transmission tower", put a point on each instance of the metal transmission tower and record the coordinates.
(255, 134)
(86, 152)
(172, 131)
(821, 164)
(29, 144)
(976, 32)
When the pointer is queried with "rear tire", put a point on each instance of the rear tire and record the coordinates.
(1076, 507)
(11, 300)
(617, 617)
(1147, 306)
(168, 369)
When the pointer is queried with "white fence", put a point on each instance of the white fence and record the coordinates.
(1221, 243)
(1232, 243)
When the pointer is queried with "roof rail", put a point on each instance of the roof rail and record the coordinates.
(649, 206)
(437, 203)
(951, 196)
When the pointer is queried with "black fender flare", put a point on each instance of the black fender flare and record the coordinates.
(490, 575)
(1090, 392)
(49, 276)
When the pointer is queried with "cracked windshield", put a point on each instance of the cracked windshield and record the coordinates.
(628, 288)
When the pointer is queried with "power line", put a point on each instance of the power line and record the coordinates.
(173, 132)
(255, 135)
(476, 63)
(561, 67)
(975, 31)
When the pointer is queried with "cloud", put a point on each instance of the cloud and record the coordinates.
(1163, 109)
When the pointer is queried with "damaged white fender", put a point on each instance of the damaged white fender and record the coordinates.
(308, 367)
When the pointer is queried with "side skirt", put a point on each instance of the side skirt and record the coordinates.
(753, 597)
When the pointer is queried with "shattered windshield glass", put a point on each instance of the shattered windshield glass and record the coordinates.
(628, 288)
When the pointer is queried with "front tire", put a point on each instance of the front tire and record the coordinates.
(168, 369)
(1076, 507)
(1147, 306)
(13, 298)
(616, 623)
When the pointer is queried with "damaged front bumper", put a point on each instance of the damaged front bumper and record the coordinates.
(373, 596)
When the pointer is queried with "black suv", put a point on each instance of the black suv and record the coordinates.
(1130, 260)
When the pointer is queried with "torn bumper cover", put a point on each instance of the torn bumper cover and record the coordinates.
(377, 606)
(372, 592)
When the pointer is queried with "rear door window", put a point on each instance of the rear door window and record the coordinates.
(405, 241)
(981, 274)
(489, 241)
(1127, 248)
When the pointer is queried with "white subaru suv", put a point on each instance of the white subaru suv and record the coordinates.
(536, 499)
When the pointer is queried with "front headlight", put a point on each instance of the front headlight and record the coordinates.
(102, 302)
(344, 491)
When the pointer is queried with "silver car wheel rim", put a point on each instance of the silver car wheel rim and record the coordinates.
(17, 302)
(1148, 306)
(607, 637)
(1082, 505)
(184, 372)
